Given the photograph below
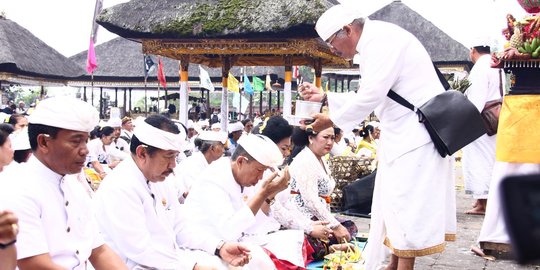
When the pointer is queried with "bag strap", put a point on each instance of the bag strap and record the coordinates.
(403, 102)
(500, 83)
(399, 99)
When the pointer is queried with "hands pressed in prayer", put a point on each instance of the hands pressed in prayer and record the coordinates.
(235, 254)
(320, 230)
(276, 182)
(9, 227)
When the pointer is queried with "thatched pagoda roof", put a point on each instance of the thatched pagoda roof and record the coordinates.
(24, 58)
(188, 19)
(442, 48)
(120, 63)
(256, 32)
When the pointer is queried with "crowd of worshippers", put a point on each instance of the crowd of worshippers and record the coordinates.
(168, 195)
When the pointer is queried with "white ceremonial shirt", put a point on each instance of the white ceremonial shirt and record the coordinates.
(217, 205)
(142, 221)
(55, 215)
(116, 150)
(188, 172)
(404, 67)
(96, 152)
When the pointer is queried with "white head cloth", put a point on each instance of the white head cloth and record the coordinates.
(478, 41)
(262, 149)
(216, 126)
(335, 18)
(20, 140)
(65, 113)
(114, 123)
(374, 124)
(190, 124)
(237, 126)
(159, 138)
(216, 136)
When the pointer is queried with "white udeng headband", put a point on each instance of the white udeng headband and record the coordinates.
(158, 138)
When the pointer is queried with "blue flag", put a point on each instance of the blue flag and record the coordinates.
(248, 88)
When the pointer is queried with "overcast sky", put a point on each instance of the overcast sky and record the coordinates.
(65, 24)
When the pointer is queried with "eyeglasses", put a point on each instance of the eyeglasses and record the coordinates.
(331, 38)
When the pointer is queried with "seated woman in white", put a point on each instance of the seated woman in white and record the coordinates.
(98, 158)
(311, 184)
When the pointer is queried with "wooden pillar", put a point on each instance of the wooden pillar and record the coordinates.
(317, 65)
(42, 93)
(227, 64)
(101, 109)
(287, 87)
(116, 97)
(269, 101)
(130, 99)
(342, 84)
(84, 94)
(126, 112)
(183, 101)
(208, 109)
(278, 100)
(260, 103)
(251, 106)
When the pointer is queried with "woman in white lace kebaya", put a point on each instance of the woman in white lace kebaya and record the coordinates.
(311, 184)
(278, 212)
(283, 213)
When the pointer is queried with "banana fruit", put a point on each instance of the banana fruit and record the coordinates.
(531, 47)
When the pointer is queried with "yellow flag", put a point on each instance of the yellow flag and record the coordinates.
(326, 88)
(233, 84)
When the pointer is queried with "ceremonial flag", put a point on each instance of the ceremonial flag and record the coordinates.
(149, 65)
(91, 62)
(236, 102)
(232, 84)
(248, 88)
(268, 82)
(205, 79)
(161, 74)
(295, 72)
(258, 84)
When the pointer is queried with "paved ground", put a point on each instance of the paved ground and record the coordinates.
(458, 254)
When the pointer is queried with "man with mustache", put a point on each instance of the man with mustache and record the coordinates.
(51, 196)
(140, 215)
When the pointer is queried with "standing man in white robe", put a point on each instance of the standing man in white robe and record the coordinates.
(140, 215)
(413, 210)
(217, 202)
(51, 196)
(479, 156)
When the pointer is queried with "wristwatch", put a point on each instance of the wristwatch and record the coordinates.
(6, 245)
(218, 248)
(270, 201)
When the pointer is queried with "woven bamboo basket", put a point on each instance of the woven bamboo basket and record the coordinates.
(344, 170)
